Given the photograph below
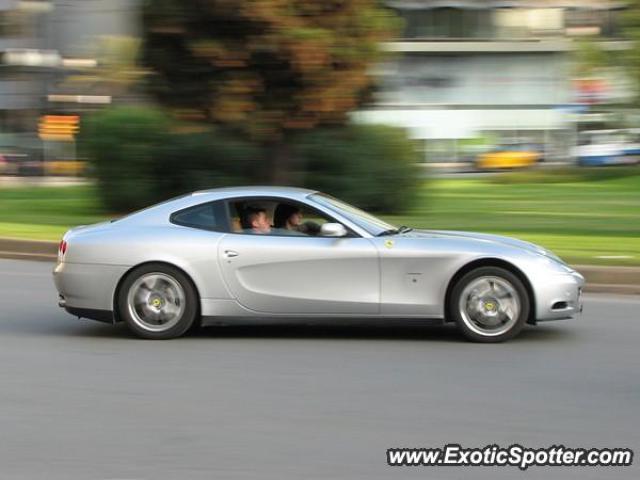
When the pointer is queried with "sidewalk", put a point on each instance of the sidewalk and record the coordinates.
(28, 249)
(614, 280)
(11, 181)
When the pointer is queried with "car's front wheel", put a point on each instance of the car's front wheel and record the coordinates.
(489, 304)
(158, 302)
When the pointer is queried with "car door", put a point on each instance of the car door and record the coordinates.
(301, 274)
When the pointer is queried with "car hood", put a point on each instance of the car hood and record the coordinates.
(482, 237)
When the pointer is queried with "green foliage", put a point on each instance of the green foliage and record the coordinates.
(590, 57)
(372, 166)
(631, 25)
(121, 145)
(271, 69)
(140, 156)
(201, 160)
(631, 19)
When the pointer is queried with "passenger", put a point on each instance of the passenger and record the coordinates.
(256, 221)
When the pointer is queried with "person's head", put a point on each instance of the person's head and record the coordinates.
(256, 219)
(287, 216)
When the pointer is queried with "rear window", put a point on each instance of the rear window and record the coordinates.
(207, 216)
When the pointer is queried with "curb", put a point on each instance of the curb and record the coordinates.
(600, 279)
(17, 249)
(616, 280)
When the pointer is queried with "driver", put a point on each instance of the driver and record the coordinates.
(289, 217)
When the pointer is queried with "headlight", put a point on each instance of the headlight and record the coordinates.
(556, 262)
(548, 253)
(553, 256)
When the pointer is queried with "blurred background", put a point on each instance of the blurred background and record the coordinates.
(512, 117)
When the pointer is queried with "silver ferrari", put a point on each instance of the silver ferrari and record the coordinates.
(230, 255)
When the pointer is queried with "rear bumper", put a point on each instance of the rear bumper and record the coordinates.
(92, 314)
(560, 297)
(86, 287)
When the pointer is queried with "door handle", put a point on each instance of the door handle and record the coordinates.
(230, 253)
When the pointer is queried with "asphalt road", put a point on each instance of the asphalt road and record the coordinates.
(84, 400)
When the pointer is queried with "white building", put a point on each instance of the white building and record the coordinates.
(469, 71)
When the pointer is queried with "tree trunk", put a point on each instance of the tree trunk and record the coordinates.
(279, 163)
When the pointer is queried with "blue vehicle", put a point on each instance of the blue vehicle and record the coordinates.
(607, 147)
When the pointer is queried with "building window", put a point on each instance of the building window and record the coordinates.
(590, 22)
(12, 24)
(455, 23)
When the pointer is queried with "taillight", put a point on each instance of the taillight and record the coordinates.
(63, 247)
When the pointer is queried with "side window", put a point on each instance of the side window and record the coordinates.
(207, 216)
(276, 217)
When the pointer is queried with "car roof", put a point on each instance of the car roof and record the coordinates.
(160, 212)
(255, 191)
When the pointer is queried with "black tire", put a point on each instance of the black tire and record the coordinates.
(475, 330)
(179, 293)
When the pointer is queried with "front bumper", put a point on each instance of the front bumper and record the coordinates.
(559, 296)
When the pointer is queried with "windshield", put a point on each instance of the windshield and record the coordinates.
(368, 222)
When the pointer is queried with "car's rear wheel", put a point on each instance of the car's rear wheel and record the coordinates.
(489, 304)
(158, 302)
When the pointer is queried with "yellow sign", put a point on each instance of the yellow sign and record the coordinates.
(61, 128)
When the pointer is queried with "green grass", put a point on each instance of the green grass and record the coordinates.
(45, 213)
(580, 218)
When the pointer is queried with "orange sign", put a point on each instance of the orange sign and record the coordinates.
(61, 128)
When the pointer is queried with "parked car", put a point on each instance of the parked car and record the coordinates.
(607, 147)
(10, 163)
(510, 156)
(225, 256)
(70, 168)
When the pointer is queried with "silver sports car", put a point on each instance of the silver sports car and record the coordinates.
(265, 253)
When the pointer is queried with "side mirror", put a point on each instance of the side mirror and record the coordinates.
(333, 230)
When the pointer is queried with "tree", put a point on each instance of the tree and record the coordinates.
(631, 28)
(590, 57)
(264, 68)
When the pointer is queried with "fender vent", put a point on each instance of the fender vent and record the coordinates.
(560, 306)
